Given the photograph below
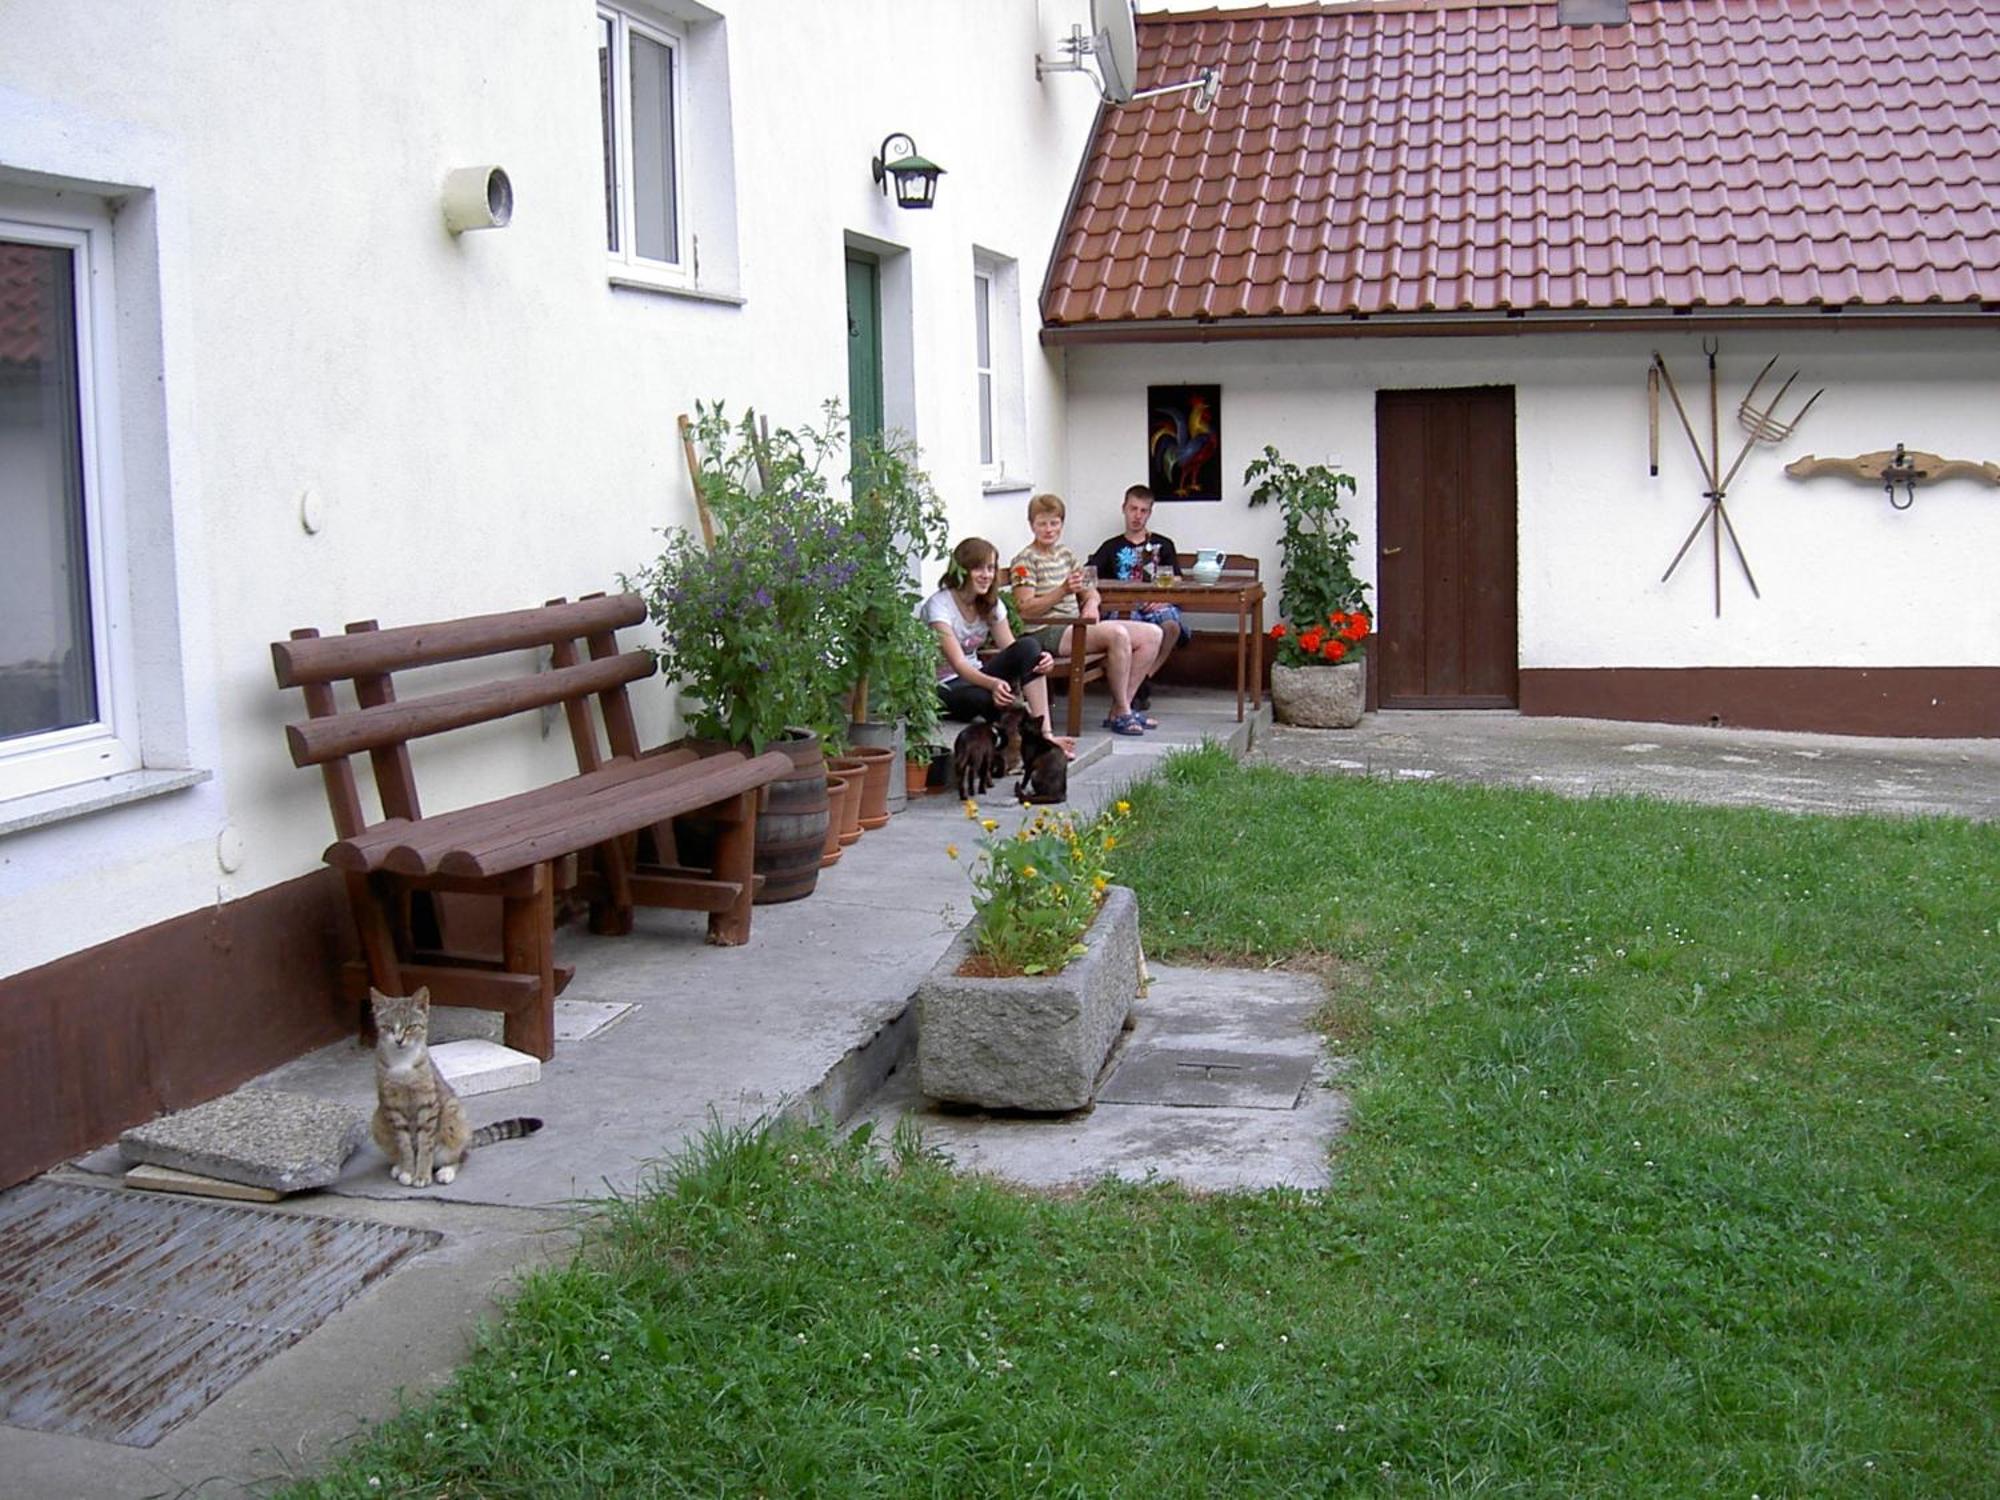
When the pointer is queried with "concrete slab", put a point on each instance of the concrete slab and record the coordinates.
(1261, 1017)
(271, 1138)
(578, 1019)
(476, 1066)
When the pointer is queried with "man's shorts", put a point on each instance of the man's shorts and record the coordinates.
(1163, 614)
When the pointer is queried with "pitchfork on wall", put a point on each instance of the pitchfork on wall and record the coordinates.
(1763, 426)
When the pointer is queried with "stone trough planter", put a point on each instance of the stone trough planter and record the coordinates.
(1328, 697)
(1037, 1042)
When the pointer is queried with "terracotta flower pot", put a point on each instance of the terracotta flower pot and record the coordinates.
(877, 762)
(836, 802)
(853, 771)
(916, 777)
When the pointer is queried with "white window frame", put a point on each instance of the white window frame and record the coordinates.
(1000, 276)
(626, 262)
(984, 381)
(109, 745)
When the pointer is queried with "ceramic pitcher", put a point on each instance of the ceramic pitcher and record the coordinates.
(1207, 565)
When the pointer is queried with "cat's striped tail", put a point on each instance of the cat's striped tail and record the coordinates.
(504, 1130)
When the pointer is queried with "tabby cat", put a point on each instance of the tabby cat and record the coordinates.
(419, 1123)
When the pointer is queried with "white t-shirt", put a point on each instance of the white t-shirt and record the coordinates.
(942, 609)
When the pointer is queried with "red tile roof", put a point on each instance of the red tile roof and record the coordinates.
(1475, 157)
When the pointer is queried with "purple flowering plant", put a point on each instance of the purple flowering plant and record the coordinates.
(753, 629)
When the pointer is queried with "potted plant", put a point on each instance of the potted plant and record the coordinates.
(747, 623)
(1025, 1006)
(895, 520)
(1318, 646)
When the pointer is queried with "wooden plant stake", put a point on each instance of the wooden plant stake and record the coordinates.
(694, 478)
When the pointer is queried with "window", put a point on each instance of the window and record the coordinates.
(668, 147)
(67, 706)
(997, 373)
(640, 88)
(982, 363)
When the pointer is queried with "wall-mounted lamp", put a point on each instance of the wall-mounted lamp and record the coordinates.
(916, 178)
(477, 198)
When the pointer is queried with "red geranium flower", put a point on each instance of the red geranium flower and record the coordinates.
(1335, 650)
(1310, 639)
(1280, 630)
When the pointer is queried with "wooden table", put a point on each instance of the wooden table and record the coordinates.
(1243, 597)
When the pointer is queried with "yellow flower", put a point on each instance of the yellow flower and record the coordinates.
(952, 850)
(989, 824)
(1029, 871)
(1099, 884)
(1122, 807)
(1110, 842)
(971, 808)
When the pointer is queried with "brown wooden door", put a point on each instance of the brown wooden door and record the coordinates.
(1445, 585)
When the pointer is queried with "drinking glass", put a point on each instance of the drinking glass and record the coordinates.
(1089, 572)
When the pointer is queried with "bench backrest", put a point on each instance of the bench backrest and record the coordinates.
(381, 725)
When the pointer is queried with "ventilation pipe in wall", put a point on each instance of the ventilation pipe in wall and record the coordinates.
(477, 198)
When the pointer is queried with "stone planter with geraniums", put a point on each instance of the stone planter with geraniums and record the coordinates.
(1024, 1008)
(1318, 648)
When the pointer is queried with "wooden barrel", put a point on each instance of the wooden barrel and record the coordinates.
(791, 822)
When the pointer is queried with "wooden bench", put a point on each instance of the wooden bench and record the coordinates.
(1210, 657)
(605, 833)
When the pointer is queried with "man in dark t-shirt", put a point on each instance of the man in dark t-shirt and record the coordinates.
(1141, 553)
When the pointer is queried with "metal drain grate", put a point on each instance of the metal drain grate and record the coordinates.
(1207, 1080)
(122, 1314)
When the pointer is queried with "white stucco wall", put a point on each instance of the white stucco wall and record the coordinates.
(484, 421)
(1846, 581)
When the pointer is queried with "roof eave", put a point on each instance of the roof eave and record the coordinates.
(1486, 324)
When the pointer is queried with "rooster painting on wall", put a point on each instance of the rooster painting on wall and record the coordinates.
(1184, 441)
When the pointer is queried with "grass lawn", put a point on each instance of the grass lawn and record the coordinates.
(1672, 1173)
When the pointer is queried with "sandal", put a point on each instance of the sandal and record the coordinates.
(1127, 724)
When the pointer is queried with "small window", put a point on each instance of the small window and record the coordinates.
(641, 86)
(64, 695)
(982, 360)
(998, 384)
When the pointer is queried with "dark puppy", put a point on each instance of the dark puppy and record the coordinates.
(1011, 719)
(1044, 767)
(975, 758)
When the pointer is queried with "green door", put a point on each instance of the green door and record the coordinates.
(864, 346)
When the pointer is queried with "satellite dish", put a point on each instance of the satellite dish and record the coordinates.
(1116, 29)
(1113, 43)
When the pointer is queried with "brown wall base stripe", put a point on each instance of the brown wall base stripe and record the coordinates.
(1903, 702)
(165, 1018)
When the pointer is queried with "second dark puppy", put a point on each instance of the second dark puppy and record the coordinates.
(976, 759)
(1044, 768)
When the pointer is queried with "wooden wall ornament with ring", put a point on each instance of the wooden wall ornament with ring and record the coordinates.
(1763, 426)
(1905, 467)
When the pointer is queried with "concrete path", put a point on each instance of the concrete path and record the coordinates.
(811, 1015)
(1813, 773)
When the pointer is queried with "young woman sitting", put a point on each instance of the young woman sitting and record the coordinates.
(967, 615)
